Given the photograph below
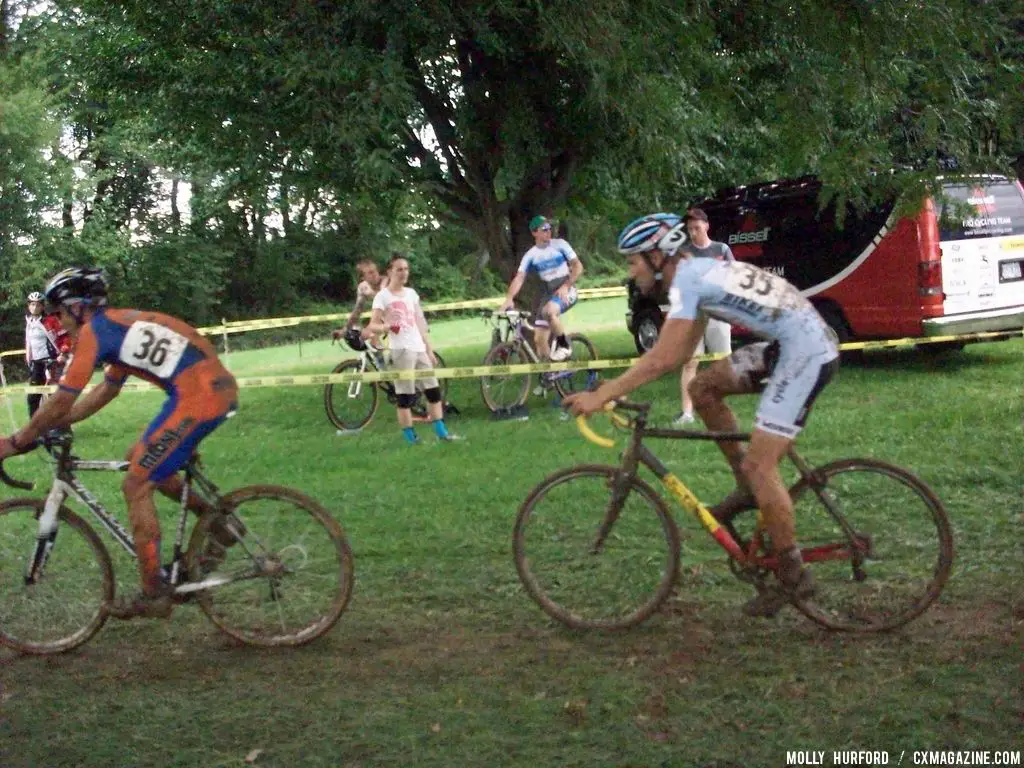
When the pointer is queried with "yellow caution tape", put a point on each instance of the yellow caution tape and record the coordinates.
(478, 371)
(244, 326)
(240, 326)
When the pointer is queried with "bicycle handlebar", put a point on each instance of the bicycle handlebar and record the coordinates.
(20, 484)
(55, 438)
(8, 480)
(492, 314)
(618, 420)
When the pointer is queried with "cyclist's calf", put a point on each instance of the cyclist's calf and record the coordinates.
(760, 467)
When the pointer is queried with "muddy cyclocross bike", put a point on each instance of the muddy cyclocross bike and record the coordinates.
(350, 407)
(510, 345)
(597, 548)
(284, 581)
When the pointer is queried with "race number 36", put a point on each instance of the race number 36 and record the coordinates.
(153, 348)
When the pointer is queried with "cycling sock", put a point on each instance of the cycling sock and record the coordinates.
(440, 429)
(149, 565)
(790, 565)
(410, 434)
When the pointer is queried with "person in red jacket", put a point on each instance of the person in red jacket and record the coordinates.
(46, 347)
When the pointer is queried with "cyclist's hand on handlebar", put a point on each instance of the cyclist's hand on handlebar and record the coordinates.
(7, 448)
(585, 403)
(506, 305)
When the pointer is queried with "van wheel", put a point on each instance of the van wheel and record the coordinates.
(646, 326)
(834, 317)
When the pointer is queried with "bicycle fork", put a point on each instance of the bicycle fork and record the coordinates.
(355, 387)
(620, 489)
(46, 534)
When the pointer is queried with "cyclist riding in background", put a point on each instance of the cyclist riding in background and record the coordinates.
(798, 358)
(371, 282)
(166, 352)
(559, 268)
(46, 346)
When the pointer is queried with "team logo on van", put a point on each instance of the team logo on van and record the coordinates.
(982, 202)
(757, 236)
(746, 243)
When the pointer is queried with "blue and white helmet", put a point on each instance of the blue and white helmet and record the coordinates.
(664, 231)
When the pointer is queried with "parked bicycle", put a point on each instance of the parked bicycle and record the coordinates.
(351, 406)
(596, 547)
(511, 345)
(285, 581)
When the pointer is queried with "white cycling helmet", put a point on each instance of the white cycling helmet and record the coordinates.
(35, 296)
(664, 231)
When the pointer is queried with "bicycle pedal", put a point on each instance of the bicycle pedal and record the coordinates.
(866, 544)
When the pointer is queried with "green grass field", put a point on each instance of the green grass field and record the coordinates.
(441, 658)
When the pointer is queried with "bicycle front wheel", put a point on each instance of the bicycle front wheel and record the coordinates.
(578, 381)
(289, 576)
(508, 390)
(350, 406)
(878, 542)
(64, 607)
(594, 549)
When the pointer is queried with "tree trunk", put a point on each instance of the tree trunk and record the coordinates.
(175, 213)
(286, 217)
(4, 10)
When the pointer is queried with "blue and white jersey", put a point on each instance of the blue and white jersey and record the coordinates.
(551, 262)
(743, 294)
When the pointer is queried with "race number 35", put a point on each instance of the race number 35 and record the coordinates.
(152, 347)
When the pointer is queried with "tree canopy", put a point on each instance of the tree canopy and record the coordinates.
(309, 134)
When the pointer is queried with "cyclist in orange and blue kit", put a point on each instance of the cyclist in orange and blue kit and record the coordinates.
(163, 350)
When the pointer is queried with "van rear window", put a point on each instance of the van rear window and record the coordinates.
(983, 209)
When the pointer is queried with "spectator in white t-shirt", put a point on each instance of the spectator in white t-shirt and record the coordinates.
(718, 333)
(397, 311)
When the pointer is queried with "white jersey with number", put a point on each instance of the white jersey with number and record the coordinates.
(743, 294)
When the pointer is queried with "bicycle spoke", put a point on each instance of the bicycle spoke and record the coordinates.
(64, 607)
(607, 570)
(880, 546)
(291, 574)
(350, 406)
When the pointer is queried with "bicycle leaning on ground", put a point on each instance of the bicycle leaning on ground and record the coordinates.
(510, 345)
(284, 581)
(596, 547)
(351, 406)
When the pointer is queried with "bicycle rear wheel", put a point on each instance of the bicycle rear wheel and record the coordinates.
(64, 608)
(578, 381)
(350, 406)
(897, 559)
(291, 573)
(595, 551)
(505, 391)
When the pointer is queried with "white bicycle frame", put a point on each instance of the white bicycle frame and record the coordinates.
(66, 485)
(365, 357)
